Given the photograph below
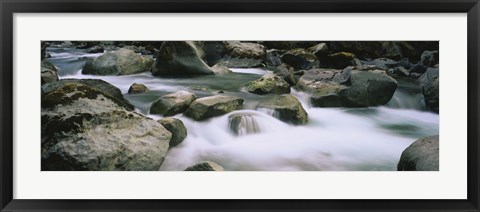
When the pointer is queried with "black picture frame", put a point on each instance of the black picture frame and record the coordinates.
(9, 7)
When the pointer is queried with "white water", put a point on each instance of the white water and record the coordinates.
(334, 139)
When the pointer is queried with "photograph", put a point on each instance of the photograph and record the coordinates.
(234, 105)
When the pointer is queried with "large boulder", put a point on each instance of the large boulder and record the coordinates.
(207, 107)
(85, 130)
(287, 73)
(273, 57)
(179, 58)
(286, 108)
(338, 60)
(118, 62)
(105, 88)
(300, 59)
(268, 84)
(429, 82)
(176, 127)
(48, 72)
(347, 88)
(243, 54)
(205, 166)
(421, 155)
(429, 58)
(171, 104)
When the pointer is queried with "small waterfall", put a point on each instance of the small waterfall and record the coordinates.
(242, 124)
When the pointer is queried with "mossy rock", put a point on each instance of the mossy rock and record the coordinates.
(208, 107)
(268, 84)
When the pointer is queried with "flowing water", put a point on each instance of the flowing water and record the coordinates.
(351, 139)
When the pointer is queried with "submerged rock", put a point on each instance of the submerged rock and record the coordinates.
(118, 62)
(48, 72)
(85, 130)
(171, 104)
(205, 166)
(421, 155)
(268, 84)
(208, 107)
(286, 108)
(137, 88)
(179, 58)
(242, 124)
(176, 127)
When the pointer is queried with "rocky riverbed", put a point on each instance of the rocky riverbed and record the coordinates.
(240, 106)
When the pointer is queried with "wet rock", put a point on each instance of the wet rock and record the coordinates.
(106, 89)
(176, 127)
(48, 72)
(338, 60)
(220, 68)
(300, 59)
(95, 49)
(208, 107)
(268, 84)
(179, 58)
(85, 130)
(205, 166)
(171, 104)
(273, 57)
(243, 124)
(118, 62)
(286, 108)
(287, 73)
(421, 155)
(429, 82)
(137, 88)
(429, 58)
(243, 54)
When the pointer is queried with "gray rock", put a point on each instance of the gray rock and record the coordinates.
(421, 155)
(429, 58)
(220, 68)
(208, 107)
(319, 50)
(429, 82)
(286, 108)
(118, 62)
(268, 84)
(48, 72)
(287, 73)
(171, 104)
(205, 166)
(176, 127)
(180, 58)
(137, 88)
(339, 60)
(243, 124)
(273, 57)
(300, 59)
(83, 130)
(105, 88)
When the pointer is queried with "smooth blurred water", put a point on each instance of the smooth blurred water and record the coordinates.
(352, 139)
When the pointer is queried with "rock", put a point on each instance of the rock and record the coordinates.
(286, 108)
(171, 104)
(207, 107)
(369, 49)
(319, 50)
(83, 130)
(273, 57)
(399, 71)
(95, 49)
(176, 127)
(43, 52)
(421, 155)
(104, 88)
(220, 68)
(48, 72)
(205, 166)
(338, 60)
(179, 58)
(137, 88)
(347, 88)
(268, 84)
(429, 58)
(214, 51)
(288, 45)
(300, 59)
(287, 73)
(243, 124)
(243, 54)
(118, 62)
(429, 82)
